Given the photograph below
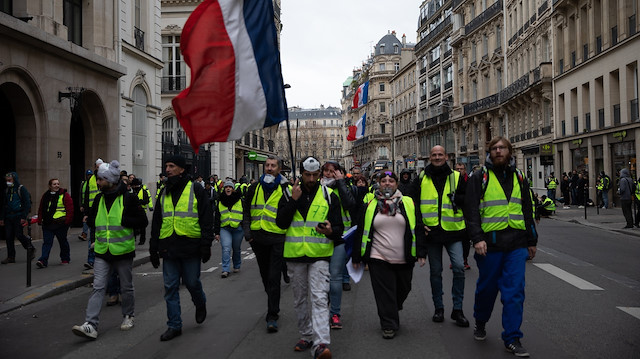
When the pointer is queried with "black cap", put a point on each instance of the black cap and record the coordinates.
(177, 160)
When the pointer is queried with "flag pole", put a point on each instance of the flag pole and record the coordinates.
(293, 160)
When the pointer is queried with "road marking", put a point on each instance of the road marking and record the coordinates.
(210, 270)
(634, 311)
(567, 277)
(250, 256)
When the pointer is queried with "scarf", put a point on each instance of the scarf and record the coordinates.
(270, 186)
(388, 206)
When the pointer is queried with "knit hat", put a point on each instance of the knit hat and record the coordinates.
(99, 161)
(110, 172)
(177, 160)
(228, 183)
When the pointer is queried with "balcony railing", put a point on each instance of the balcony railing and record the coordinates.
(447, 53)
(514, 89)
(447, 85)
(456, 3)
(546, 130)
(139, 38)
(483, 17)
(423, 70)
(423, 98)
(431, 35)
(482, 104)
(543, 7)
(434, 63)
(173, 83)
(434, 92)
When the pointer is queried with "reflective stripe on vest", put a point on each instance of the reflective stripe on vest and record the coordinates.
(346, 218)
(93, 190)
(61, 210)
(110, 234)
(551, 206)
(368, 221)
(230, 217)
(263, 215)
(183, 218)
(553, 183)
(496, 213)
(302, 239)
(432, 214)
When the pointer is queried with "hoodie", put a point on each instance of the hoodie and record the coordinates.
(626, 185)
(17, 200)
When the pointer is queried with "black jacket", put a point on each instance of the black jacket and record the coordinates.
(347, 201)
(507, 239)
(421, 249)
(288, 207)
(439, 177)
(177, 246)
(133, 215)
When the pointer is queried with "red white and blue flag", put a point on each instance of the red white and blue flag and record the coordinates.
(360, 98)
(357, 131)
(236, 77)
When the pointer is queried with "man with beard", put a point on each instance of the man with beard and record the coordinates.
(499, 217)
(266, 238)
(440, 193)
(181, 233)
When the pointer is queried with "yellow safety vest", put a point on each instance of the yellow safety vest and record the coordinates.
(302, 239)
(230, 217)
(93, 190)
(141, 197)
(346, 218)
(553, 183)
(183, 218)
(263, 215)
(551, 206)
(368, 221)
(110, 234)
(434, 213)
(61, 210)
(496, 213)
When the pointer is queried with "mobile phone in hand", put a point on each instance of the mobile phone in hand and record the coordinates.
(322, 225)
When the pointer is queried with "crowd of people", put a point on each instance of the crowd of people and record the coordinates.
(310, 231)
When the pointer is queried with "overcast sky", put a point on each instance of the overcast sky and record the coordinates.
(323, 41)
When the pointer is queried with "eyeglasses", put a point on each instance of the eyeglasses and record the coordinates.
(501, 148)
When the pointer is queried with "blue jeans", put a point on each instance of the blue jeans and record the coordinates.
(189, 270)
(504, 272)
(59, 232)
(91, 255)
(434, 251)
(551, 193)
(336, 266)
(605, 199)
(231, 238)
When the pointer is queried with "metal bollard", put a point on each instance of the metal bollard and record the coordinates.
(29, 253)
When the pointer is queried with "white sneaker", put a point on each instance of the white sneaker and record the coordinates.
(127, 323)
(580, 206)
(566, 207)
(85, 330)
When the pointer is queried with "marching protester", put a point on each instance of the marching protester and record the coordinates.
(228, 229)
(389, 241)
(181, 234)
(14, 215)
(312, 219)
(499, 217)
(55, 214)
(112, 218)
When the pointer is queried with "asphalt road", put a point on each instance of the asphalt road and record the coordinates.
(594, 312)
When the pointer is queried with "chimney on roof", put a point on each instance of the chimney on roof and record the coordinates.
(404, 40)
(393, 32)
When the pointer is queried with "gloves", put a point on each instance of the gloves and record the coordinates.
(205, 254)
(155, 259)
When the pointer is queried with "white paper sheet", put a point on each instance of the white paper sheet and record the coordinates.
(355, 274)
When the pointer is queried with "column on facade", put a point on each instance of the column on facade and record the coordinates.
(591, 169)
(592, 30)
(606, 29)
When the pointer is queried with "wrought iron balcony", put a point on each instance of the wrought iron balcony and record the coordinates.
(435, 32)
(485, 16)
(514, 89)
(139, 38)
(482, 104)
(173, 83)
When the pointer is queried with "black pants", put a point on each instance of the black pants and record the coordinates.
(13, 229)
(391, 285)
(466, 245)
(270, 262)
(626, 211)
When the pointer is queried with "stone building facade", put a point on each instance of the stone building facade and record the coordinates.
(403, 110)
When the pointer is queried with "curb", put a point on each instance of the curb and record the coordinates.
(52, 289)
(595, 225)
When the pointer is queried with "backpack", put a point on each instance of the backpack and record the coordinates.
(27, 195)
(607, 183)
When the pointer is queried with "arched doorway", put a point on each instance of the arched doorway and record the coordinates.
(77, 160)
(7, 136)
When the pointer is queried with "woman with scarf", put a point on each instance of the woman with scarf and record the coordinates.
(55, 214)
(228, 217)
(388, 242)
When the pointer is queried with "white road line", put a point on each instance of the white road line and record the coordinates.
(567, 277)
(635, 311)
(210, 270)
(250, 256)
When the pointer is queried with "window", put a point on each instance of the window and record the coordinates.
(473, 52)
(382, 49)
(139, 127)
(396, 66)
(72, 19)
(474, 90)
(449, 73)
(499, 79)
(138, 34)
(498, 37)
(485, 45)
(6, 6)
(382, 107)
(173, 73)
(472, 10)
(435, 82)
(395, 48)
(382, 87)
(435, 53)
(383, 67)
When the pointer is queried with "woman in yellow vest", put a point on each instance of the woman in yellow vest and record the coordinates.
(226, 226)
(112, 217)
(388, 242)
(55, 214)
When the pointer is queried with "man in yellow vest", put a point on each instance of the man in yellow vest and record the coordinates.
(313, 221)
(181, 233)
(439, 195)
(266, 238)
(112, 218)
(499, 216)
(551, 183)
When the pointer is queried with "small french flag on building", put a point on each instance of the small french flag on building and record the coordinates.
(357, 131)
(360, 98)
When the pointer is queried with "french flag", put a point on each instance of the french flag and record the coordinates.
(357, 131)
(236, 79)
(360, 98)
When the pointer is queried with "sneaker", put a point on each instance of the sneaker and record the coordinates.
(224, 275)
(466, 265)
(335, 322)
(127, 323)
(346, 287)
(479, 332)
(8, 260)
(580, 206)
(303, 345)
(272, 326)
(88, 265)
(40, 264)
(82, 236)
(566, 207)
(286, 278)
(64, 262)
(388, 333)
(85, 330)
(517, 349)
(322, 352)
(236, 270)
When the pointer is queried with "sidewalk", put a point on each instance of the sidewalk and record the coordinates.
(54, 279)
(609, 219)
